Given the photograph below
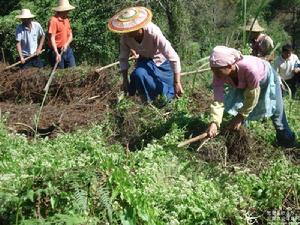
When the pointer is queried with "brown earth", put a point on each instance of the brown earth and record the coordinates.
(74, 101)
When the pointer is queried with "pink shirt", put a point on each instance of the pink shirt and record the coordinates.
(154, 45)
(251, 70)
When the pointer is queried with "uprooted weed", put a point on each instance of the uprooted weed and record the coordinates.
(238, 145)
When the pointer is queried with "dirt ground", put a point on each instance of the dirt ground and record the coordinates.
(74, 101)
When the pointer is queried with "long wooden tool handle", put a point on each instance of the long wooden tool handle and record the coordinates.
(19, 62)
(51, 77)
(192, 140)
(112, 64)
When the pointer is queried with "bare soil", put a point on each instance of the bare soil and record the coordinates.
(74, 100)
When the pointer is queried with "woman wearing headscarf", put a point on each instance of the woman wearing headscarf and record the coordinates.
(158, 68)
(254, 93)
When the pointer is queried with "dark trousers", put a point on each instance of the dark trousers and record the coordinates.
(33, 62)
(67, 58)
(293, 83)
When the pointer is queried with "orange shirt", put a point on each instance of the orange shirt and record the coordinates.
(62, 30)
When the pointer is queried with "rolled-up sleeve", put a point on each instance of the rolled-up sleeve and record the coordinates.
(165, 47)
(124, 55)
(216, 112)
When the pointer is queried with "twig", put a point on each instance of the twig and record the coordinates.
(202, 144)
(192, 140)
(94, 97)
(19, 62)
(25, 125)
(112, 64)
(225, 157)
(195, 71)
(3, 56)
(203, 59)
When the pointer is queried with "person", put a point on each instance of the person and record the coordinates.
(254, 93)
(157, 70)
(60, 36)
(287, 66)
(261, 44)
(30, 39)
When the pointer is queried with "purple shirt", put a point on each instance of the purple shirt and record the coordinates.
(154, 45)
(251, 70)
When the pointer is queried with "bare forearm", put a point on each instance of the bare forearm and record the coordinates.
(53, 43)
(70, 39)
(41, 44)
(177, 78)
(19, 49)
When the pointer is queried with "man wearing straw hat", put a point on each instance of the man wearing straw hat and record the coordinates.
(261, 44)
(158, 68)
(30, 39)
(60, 36)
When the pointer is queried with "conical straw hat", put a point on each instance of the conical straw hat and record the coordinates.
(255, 28)
(130, 19)
(25, 14)
(63, 5)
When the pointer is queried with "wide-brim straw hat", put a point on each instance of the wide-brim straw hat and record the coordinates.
(130, 19)
(25, 14)
(253, 26)
(63, 5)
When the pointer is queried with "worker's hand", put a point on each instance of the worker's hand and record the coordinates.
(22, 59)
(296, 70)
(283, 88)
(212, 130)
(38, 51)
(64, 48)
(178, 89)
(58, 57)
(236, 122)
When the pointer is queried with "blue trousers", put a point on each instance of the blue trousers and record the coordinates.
(150, 80)
(67, 58)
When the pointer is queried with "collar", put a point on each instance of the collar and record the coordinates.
(60, 19)
(27, 28)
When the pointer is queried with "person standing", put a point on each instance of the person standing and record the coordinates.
(261, 44)
(287, 66)
(60, 36)
(157, 70)
(30, 39)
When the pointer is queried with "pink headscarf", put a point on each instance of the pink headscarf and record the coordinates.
(223, 56)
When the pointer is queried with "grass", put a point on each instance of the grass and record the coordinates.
(88, 177)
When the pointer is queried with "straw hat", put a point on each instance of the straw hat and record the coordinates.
(130, 19)
(63, 5)
(25, 14)
(255, 28)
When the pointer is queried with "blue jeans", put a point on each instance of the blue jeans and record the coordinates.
(150, 80)
(284, 135)
(67, 58)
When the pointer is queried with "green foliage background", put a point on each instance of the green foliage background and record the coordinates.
(193, 27)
